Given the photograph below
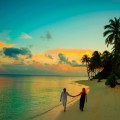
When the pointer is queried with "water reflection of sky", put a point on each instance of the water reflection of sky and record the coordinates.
(24, 97)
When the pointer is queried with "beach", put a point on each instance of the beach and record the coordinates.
(32, 97)
(103, 104)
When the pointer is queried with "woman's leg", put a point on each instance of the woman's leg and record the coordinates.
(81, 104)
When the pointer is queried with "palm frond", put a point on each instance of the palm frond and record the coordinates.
(116, 20)
(112, 34)
(119, 19)
(109, 39)
(112, 22)
(107, 32)
(108, 27)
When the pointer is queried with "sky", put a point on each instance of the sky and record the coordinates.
(49, 37)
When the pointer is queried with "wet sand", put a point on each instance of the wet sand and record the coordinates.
(103, 104)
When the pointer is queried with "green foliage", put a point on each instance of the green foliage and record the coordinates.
(102, 75)
(111, 81)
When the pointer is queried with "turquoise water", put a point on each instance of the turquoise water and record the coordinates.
(27, 97)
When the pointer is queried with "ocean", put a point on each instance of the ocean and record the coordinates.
(28, 97)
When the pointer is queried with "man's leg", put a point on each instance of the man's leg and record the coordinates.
(65, 106)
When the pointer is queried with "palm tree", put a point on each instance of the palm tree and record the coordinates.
(93, 64)
(86, 59)
(113, 38)
(96, 60)
(106, 57)
(113, 34)
(107, 62)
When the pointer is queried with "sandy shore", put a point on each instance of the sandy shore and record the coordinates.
(103, 104)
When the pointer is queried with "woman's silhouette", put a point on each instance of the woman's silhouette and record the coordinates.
(82, 98)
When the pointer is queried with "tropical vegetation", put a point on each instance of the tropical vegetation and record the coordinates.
(106, 65)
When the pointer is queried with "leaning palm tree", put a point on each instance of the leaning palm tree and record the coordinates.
(112, 34)
(86, 59)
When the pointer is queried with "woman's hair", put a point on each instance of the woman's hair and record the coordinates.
(83, 90)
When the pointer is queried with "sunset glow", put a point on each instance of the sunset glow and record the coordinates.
(50, 37)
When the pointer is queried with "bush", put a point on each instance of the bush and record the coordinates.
(111, 81)
(102, 75)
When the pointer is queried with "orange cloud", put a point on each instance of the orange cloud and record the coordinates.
(5, 60)
(4, 45)
(42, 59)
(43, 62)
(69, 51)
(71, 54)
(64, 69)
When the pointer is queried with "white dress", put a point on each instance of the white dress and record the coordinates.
(64, 96)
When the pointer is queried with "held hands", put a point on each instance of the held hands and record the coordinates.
(73, 96)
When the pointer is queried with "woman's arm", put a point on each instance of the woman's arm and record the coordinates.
(77, 95)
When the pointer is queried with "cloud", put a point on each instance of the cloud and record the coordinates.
(49, 56)
(43, 58)
(74, 62)
(63, 59)
(71, 54)
(25, 36)
(46, 36)
(15, 52)
(4, 45)
(65, 62)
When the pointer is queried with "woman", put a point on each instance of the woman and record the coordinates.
(82, 98)
(63, 98)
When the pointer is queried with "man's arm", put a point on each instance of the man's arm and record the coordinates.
(69, 95)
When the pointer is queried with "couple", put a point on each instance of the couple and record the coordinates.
(64, 95)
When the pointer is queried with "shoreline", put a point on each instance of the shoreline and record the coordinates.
(103, 103)
(55, 112)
